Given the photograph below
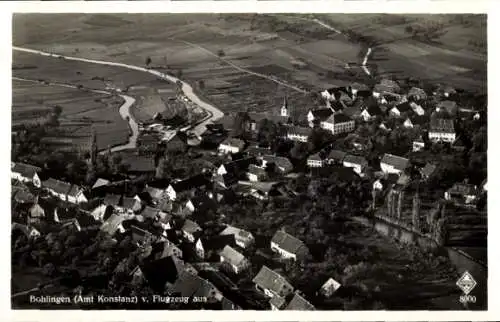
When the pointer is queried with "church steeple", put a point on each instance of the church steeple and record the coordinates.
(284, 109)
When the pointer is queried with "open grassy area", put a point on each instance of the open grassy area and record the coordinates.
(80, 112)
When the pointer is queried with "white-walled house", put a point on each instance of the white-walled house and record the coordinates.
(231, 145)
(26, 173)
(243, 238)
(357, 163)
(288, 247)
(65, 191)
(338, 123)
(442, 130)
(271, 283)
(233, 260)
(393, 164)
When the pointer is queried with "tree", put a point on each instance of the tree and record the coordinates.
(163, 169)
(148, 61)
(179, 73)
(221, 53)
(240, 124)
(201, 84)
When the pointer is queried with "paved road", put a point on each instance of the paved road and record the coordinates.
(214, 112)
(124, 110)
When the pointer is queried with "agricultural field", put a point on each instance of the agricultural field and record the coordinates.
(81, 111)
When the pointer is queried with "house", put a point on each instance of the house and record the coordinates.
(417, 109)
(112, 200)
(100, 183)
(155, 194)
(298, 303)
(178, 144)
(233, 261)
(418, 144)
(231, 145)
(271, 283)
(288, 246)
(427, 171)
(298, 133)
(393, 164)
(338, 123)
(401, 110)
(256, 173)
(462, 193)
(186, 185)
(236, 167)
(417, 94)
(113, 224)
(318, 115)
(85, 222)
(191, 230)
(371, 112)
(355, 88)
(130, 205)
(29, 231)
(449, 107)
(357, 163)
(243, 238)
(442, 130)
(76, 195)
(337, 106)
(102, 212)
(26, 173)
(282, 164)
(335, 157)
(331, 286)
(258, 190)
(165, 249)
(277, 303)
(22, 196)
(65, 191)
(315, 161)
(208, 246)
(189, 285)
(415, 120)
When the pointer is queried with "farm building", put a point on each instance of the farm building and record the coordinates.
(288, 246)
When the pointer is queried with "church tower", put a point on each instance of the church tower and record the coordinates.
(285, 112)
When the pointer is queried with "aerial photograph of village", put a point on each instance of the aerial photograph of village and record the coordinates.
(249, 161)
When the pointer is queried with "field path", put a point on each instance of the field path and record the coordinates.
(198, 129)
(124, 110)
(244, 70)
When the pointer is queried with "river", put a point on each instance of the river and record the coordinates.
(198, 129)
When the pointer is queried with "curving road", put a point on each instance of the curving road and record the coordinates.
(124, 110)
(214, 112)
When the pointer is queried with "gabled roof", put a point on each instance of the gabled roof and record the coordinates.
(26, 170)
(287, 242)
(442, 125)
(239, 165)
(280, 162)
(237, 232)
(57, 186)
(163, 249)
(336, 155)
(112, 199)
(258, 171)
(100, 183)
(154, 193)
(315, 157)
(150, 212)
(419, 119)
(232, 256)
(321, 114)
(339, 118)
(85, 220)
(355, 159)
(298, 130)
(428, 170)
(269, 279)
(234, 142)
(415, 91)
(75, 190)
(186, 285)
(298, 303)
(255, 150)
(190, 226)
(111, 225)
(374, 110)
(277, 301)
(218, 242)
(131, 203)
(397, 162)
